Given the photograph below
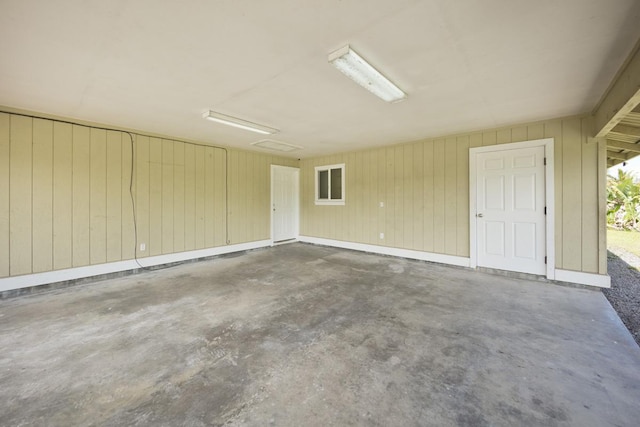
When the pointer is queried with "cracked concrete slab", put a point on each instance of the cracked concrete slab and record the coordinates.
(308, 335)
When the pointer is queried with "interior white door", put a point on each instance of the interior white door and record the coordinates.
(510, 210)
(284, 200)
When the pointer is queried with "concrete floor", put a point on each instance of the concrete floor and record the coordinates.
(307, 335)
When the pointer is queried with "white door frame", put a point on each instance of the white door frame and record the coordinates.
(297, 212)
(547, 143)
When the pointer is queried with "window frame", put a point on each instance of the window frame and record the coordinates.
(329, 201)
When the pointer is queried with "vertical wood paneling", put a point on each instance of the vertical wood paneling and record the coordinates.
(489, 138)
(503, 136)
(367, 203)
(305, 188)
(5, 153)
(114, 196)
(450, 197)
(259, 205)
(259, 195)
(475, 140)
(261, 213)
(602, 206)
(418, 196)
(408, 184)
(429, 196)
(370, 198)
(390, 203)
(376, 210)
(200, 175)
(444, 180)
(264, 197)
(143, 195)
(398, 194)
(535, 131)
(64, 195)
(519, 134)
(346, 233)
(81, 195)
(572, 194)
(42, 195)
(254, 224)
(589, 200)
(462, 194)
(128, 185)
(178, 197)
(439, 210)
(381, 173)
(241, 218)
(155, 197)
(354, 209)
(189, 197)
(98, 197)
(209, 196)
(167, 196)
(20, 207)
(66, 200)
(340, 217)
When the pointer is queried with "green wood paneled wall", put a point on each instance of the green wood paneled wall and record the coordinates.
(425, 190)
(65, 199)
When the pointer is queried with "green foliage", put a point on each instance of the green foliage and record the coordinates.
(623, 201)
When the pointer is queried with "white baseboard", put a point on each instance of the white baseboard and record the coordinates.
(28, 280)
(384, 250)
(591, 279)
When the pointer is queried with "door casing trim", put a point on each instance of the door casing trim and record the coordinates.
(271, 184)
(549, 171)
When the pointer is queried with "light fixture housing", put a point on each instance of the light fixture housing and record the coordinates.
(360, 71)
(238, 123)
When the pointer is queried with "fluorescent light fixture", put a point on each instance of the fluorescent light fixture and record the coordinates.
(272, 144)
(238, 123)
(360, 71)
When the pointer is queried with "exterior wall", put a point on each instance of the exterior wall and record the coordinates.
(65, 200)
(425, 190)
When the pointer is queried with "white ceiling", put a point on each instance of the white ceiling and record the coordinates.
(157, 65)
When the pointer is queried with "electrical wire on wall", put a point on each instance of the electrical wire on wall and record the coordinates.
(132, 171)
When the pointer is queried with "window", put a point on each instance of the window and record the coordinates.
(330, 185)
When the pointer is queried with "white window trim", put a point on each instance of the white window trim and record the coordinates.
(334, 202)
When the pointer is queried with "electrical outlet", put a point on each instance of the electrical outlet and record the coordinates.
(381, 236)
(382, 204)
(143, 247)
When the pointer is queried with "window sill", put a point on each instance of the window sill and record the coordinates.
(330, 202)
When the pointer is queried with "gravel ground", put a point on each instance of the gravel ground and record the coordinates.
(624, 294)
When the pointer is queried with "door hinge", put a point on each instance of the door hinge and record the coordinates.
(545, 259)
(545, 161)
(545, 210)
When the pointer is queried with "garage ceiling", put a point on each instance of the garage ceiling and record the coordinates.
(156, 65)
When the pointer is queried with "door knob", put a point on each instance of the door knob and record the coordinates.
(479, 215)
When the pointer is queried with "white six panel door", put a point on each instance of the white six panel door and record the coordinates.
(285, 202)
(510, 211)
